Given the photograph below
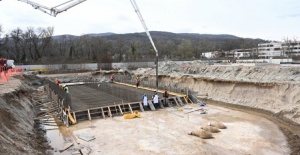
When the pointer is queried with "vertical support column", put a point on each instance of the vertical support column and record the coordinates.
(180, 101)
(109, 112)
(103, 113)
(120, 109)
(186, 101)
(141, 107)
(130, 108)
(89, 115)
(175, 99)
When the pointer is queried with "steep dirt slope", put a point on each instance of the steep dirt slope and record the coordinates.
(18, 132)
(271, 88)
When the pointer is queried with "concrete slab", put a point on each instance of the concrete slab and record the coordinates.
(162, 132)
(86, 136)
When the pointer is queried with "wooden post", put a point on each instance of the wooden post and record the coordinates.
(103, 113)
(130, 108)
(141, 106)
(109, 112)
(120, 109)
(89, 114)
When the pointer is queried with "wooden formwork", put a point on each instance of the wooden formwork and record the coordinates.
(107, 111)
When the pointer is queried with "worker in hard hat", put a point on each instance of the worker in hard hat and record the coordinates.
(56, 81)
(67, 89)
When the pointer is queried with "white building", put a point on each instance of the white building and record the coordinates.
(269, 50)
(292, 48)
(244, 53)
(208, 55)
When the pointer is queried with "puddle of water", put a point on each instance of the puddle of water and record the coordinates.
(57, 136)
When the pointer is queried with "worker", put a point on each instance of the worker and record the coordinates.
(145, 101)
(63, 86)
(137, 82)
(67, 89)
(56, 81)
(112, 77)
(4, 69)
(165, 95)
(155, 100)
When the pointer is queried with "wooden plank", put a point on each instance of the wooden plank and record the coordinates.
(151, 105)
(176, 101)
(120, 109)
(66, 146)
(89, 114)
(103, 115)
(130, 108)
(109, 112)
(179, 101)
(186, 100)
(141, 106)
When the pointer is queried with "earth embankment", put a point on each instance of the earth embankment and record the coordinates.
(19, 134)
(271, 88)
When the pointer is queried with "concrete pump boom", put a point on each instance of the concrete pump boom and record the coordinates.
(54, 10)
(148, 34)
(71, 3)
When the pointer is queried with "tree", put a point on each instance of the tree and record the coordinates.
(38, 41)
(185, 49)
(18, 44)
(2, 41)
(120, 49)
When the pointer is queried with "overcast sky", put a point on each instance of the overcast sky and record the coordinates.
(265, 19)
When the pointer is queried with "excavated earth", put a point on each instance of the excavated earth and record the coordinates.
(19, 133)
(271, 92)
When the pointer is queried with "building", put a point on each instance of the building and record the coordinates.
(291, 48)
(270, 50)
(245, 53)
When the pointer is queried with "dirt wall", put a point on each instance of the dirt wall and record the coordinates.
(281, 99)
(271, 88)
(19, 134)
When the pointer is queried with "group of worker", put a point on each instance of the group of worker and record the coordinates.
(155, 99)
(63, 86)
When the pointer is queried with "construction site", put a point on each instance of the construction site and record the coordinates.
(210, 109)
(166, 107)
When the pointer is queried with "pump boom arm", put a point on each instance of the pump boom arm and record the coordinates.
(54, 10)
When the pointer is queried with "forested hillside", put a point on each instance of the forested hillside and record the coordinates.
(39, 46)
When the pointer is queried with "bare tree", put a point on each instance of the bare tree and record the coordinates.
(18, 45)
(38, 41)
(119, 49)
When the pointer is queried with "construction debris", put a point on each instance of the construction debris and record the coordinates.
(201, 109)
(66, 146)
(86, 136)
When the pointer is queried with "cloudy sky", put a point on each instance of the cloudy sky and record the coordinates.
(265, 19)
